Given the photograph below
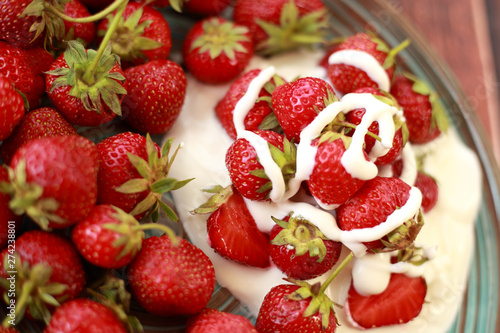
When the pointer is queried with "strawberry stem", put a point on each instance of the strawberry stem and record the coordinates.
(335, 273)
(96, 17)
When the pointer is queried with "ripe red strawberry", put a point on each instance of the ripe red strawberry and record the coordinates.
(25, 69)
(110, 238)
(11, 107)
(246, 172)
(259, 115)
(9, 222)
(300, 250)
(85, 97)
(274, 24)
(429, 188)
(347, 78)
(217, 50)
(232, 231)
(11, 329)
(297, 103)
(181, 285)
(35, 124)
(84, 315)
(286, 309)
(142, 34)
(399, 303)
(55, 180)
(47, 267)
(330, 183)
(215, 321)
(16, 30)
(372, 204)
(156, 92)
(84, 32)
(425, 117)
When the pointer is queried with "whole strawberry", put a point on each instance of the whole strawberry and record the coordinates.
(276, 24)
(35, 124)
(215, 321)
(247, 173)
(425, 117)
(84, 315)
(11, 108)
(170, 276)
(156, 92)
(216, 50)
(297, 103)
(142, 34)
(54, 180)
(47, 271)
(429, 188)
(260, 116)
(83, 32)
(16, 28)
(86, 95)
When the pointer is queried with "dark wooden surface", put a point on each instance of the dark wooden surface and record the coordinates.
(466, 34)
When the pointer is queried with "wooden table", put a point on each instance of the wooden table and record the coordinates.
(466, 34)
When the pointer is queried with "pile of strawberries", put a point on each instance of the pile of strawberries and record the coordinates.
(75, 210)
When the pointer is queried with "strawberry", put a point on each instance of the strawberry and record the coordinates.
(9, 222)
(232, 231)
(171, 276)
(11, 107)
(110, 238)
(297, 103)
(86, 95)
(24, 68)
(276, 24)
(372, 204)
(296, 309)
(83, 32)
(260, 115)
(47, 270)
(142, 34)
(329, 182)
(300, 250)
(429, 188)
(84, 315)
(399, 303)
(425, 117)
(11, 329)
(246, 172)
(35, 124)
(346, 78)
(216, 50)
(156, 92)
(215, 321)
(205, 7)
(54, 180)
(133, 174)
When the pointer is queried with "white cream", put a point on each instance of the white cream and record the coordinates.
(448, 227)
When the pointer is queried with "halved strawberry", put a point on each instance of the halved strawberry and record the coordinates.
(399, 303)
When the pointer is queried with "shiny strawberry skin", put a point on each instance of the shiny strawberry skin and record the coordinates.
(215, 321)
(162, 274)
(297, 103)
(233, 233)
(66, 168)
(16, 30)
(399, 303)
(225, 107)
(430, 190)
(83, 31)
(42, 122)
(11, 108)
(241, 160)
(281, 314)
(222, 68)
(303, 267)
(347, 78)
(156, 93)
(6, 214)
(329, 181)
(84, 315)
(372, 204)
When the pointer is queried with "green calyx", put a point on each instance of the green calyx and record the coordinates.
(391, 53)
(155, 180)
(294, 31)
(304, 236)
(221, 38)
(219, 197)
(33, 289)
(102, 85)
(127, 39)
(50, 22)
(26, 198)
